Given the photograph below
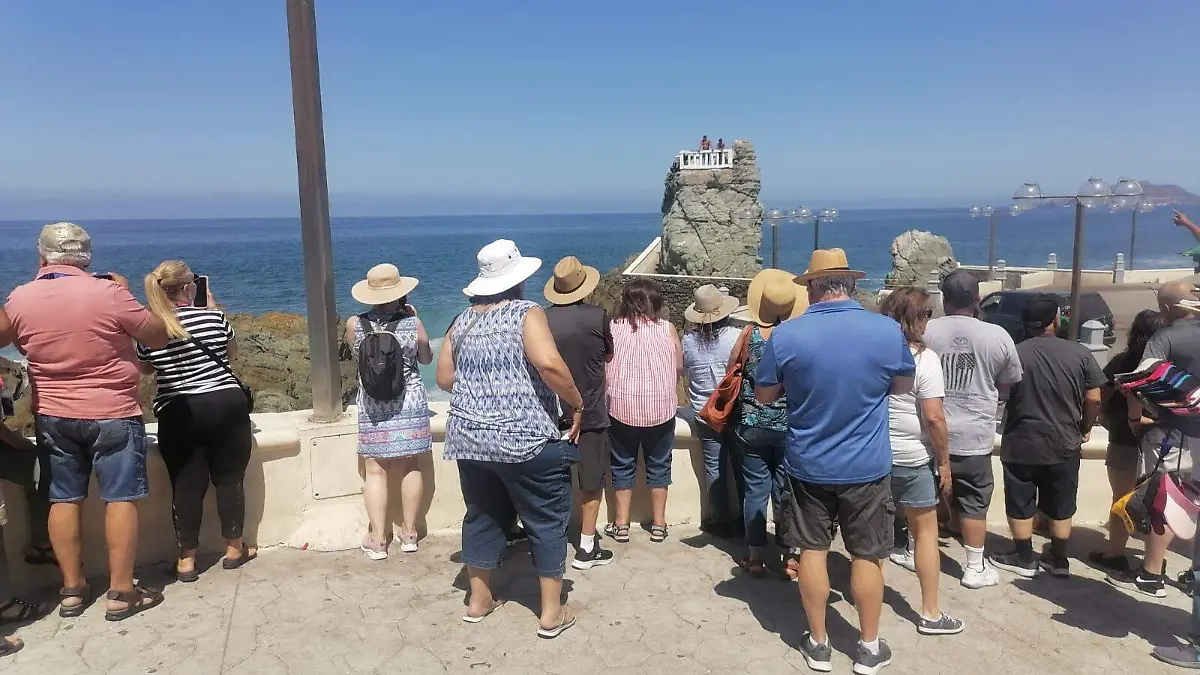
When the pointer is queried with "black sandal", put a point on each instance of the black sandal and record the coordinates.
(619, 533)
(184, 577)
(234, 563)
(26, 611)
(72, 611)
(10, 646)
(755, 568)
(136, 601)
(40, 555)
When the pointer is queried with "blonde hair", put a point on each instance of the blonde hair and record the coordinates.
(165, 282)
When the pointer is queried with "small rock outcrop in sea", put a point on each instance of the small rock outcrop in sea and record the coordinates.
(702, 235)
(915, 255)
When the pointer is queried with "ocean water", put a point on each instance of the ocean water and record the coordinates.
(255, 265)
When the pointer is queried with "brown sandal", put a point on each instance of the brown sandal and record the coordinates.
(136, 601)
(72, 611)
(755, 568)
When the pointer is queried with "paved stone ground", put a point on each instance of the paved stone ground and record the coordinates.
(678, 607)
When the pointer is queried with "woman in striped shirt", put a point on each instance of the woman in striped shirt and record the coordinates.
(642, 376)
(204, 429)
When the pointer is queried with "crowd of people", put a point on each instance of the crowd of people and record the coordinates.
(877, 425)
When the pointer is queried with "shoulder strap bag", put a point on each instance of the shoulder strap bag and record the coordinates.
(224, 364)
(719, 410)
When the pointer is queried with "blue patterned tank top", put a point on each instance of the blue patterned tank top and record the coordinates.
(500, 410)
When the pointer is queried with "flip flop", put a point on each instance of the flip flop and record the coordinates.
(234, 563)
(184, 577)
(563, 625)
(496, 604)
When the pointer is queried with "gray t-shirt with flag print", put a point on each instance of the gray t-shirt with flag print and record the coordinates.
(976, 357)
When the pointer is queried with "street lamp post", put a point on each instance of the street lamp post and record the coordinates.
(990, 214)
(758, 213)
(1092, 194)
(804, 214)
(1141, 207)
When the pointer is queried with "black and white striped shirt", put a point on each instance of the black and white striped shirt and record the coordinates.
(181, 367)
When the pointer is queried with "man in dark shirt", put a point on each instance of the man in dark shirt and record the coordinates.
(583, 338)
(1049, 416)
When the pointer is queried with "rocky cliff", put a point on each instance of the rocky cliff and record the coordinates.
(702, 236)
(272, 359)
(915, 255)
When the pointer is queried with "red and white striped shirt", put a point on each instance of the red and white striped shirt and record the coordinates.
(642, 375)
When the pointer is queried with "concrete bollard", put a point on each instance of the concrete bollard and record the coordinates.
(1119, 269)
(1091, 335)
(1052, 262)
(1001, 272)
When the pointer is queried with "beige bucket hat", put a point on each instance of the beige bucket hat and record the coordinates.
(710, 306)
(773, 297)
(571, 282)
(383, 285)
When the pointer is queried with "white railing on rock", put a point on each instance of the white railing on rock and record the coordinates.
(705, 159)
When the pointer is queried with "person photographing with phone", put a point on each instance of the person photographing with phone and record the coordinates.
(203, 410)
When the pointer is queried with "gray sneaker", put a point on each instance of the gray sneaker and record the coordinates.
(867, 663)
(943, 625)
(1186, 655)
(818, 657)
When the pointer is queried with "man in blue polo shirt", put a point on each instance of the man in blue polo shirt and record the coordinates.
(837, 364)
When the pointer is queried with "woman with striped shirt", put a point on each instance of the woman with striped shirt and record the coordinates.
(204, 429)
(647, 363)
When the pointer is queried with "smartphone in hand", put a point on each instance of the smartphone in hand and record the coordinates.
(201, 291)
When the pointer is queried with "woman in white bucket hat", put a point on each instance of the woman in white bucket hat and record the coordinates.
(505, 378)
(393, 416)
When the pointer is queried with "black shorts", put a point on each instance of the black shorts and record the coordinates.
(865, 511)
(1049, 488)
(972, 485)
(594, 460)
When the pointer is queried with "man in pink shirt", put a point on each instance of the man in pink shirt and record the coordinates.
(77, 333)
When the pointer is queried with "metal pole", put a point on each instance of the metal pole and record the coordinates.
(1076, 274)
(314, 211)
(1132, 239)
(817, 233)
(775, 244)
(992, 247)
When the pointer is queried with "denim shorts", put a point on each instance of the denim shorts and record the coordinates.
(913, 487)
(538, 490)
(655, 444)
(114, 449)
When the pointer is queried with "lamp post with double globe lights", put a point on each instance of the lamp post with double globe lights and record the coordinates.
(1096, 192)
(990, 213)
(757, 213)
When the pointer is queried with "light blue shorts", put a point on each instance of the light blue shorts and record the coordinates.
(913, 487)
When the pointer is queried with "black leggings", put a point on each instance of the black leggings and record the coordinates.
(203, 438)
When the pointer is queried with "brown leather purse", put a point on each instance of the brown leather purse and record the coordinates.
(719, 410)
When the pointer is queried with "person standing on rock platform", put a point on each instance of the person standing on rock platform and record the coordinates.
(581, 332)
(204, 429)
(837, 364)
(705, 144)
(980, 364)
(506, 378)
(642, 402)
(77, 333)
(393, 414)
(706, 353)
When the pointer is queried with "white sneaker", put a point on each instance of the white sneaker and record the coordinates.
(905, 559)
(981, 578)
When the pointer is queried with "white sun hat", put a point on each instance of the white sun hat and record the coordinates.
(501, 267)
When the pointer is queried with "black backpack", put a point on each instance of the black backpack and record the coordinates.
(380, 361)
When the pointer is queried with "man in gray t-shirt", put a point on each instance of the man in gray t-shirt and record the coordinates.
(979, 362)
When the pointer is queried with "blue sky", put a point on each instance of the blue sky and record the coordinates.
(140, 108)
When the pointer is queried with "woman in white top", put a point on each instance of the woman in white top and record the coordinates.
(917, 422)
(204, 429)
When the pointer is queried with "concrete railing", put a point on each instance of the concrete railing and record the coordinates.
(704, 159)
(304, 490)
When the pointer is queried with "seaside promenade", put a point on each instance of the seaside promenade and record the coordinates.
(678, 607)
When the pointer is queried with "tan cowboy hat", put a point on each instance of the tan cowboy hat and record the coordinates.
(383, 285)
(711, 305)
(827, 263)
(571, 282)
(772, 297)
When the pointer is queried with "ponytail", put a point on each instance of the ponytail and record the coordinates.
(170, 276)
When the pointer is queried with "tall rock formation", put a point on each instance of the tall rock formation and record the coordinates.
(915, 255)
(702, 235)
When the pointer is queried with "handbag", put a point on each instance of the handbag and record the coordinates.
(721, 405)
(224, 364)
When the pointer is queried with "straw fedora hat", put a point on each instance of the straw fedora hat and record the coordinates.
(501, 267)
(711, 305)
(383, 285)
(773, 297)
(827, 263)
(571, 282)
